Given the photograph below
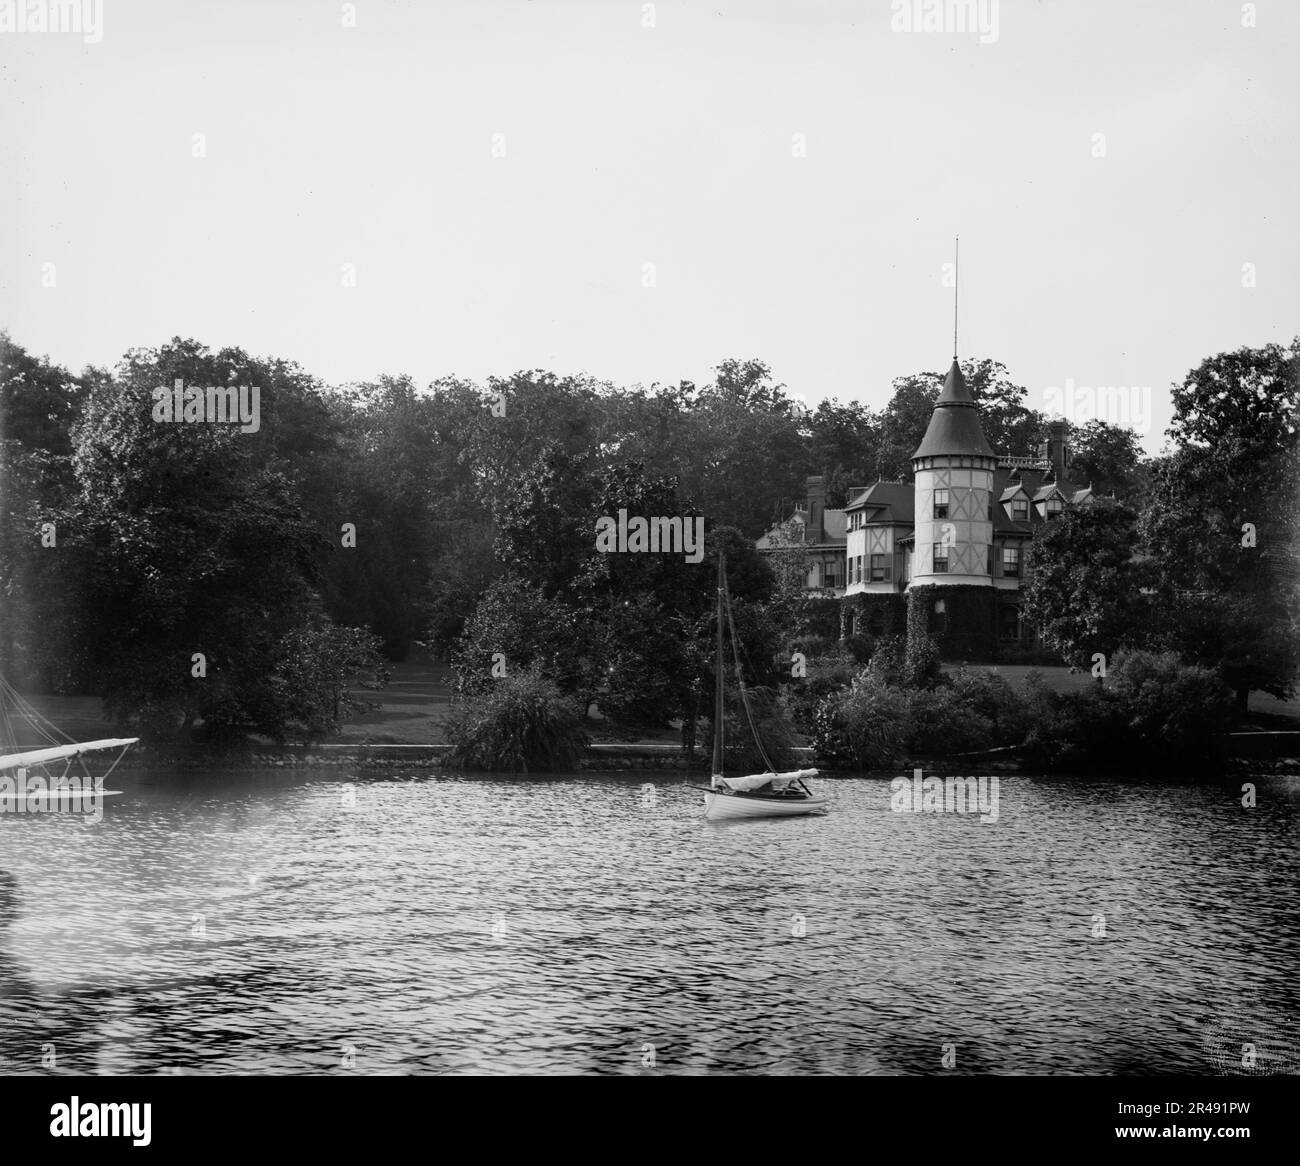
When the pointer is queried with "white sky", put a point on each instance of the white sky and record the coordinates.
(671, 146)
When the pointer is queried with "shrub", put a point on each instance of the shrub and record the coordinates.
(859, 647)
(826, 675)
(522, 724)
(943, 720)
(811, 646)
(1176, 714)
(989, 695)
(1153, 714)
(1070, 732)
(865, 727)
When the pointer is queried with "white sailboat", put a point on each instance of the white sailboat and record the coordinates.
(758, 795)
(44, 759)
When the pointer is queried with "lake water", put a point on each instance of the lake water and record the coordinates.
(259, 923)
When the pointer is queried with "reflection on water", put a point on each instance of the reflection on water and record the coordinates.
(257, 923)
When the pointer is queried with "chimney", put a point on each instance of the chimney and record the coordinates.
(1056, 448)
(817, 508)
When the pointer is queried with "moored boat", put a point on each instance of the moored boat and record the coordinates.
(759, 795)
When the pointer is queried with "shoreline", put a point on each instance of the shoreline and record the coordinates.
(400, 726)
(617, 759)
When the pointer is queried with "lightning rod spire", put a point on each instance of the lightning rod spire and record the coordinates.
(955, 269)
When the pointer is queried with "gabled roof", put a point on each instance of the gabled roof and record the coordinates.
(1036, 484)
(887, 502)
(955, 424)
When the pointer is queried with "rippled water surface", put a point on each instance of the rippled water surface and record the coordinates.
(256, 923)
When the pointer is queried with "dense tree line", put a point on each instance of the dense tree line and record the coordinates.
(1204, 563)
(358, 519)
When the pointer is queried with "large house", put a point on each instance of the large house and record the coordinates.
(944, 554)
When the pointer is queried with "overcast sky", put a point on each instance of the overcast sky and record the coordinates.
(793, 172)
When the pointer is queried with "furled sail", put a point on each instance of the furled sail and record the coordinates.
(39, 756)
(758, 780)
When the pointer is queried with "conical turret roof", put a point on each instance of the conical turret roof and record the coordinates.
(955, 425)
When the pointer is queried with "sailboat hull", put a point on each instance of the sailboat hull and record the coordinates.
(721, 806)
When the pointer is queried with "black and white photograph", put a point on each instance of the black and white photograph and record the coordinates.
(750, 543)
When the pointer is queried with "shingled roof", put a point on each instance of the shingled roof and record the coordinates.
(955, 424)
(887, 502)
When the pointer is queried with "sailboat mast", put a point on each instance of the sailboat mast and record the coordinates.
(717, 686)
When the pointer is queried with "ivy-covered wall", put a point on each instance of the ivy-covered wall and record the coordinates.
(967, 629)
(879, 614)
(822, 618)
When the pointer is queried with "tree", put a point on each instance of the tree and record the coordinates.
(1221, 503)
(846, 440)
(745, 451)
(38, 403)
(1109, 457)
(546, 519)
(903, 423)
(198, 557)
(1008, 423)
(1082, 590)
(315, 665)
(1241, 404)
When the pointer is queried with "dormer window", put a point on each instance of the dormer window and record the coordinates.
(1020, 509)
(1054, 506)
(941, 504)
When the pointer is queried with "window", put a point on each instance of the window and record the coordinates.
(941, 504)
(1020, 509)
(1054, 506)
(940, 559)
(988, 567)
(988, 511)
(1011, 562)
(880, 573)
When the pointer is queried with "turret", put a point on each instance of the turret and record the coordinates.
(953, 469)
